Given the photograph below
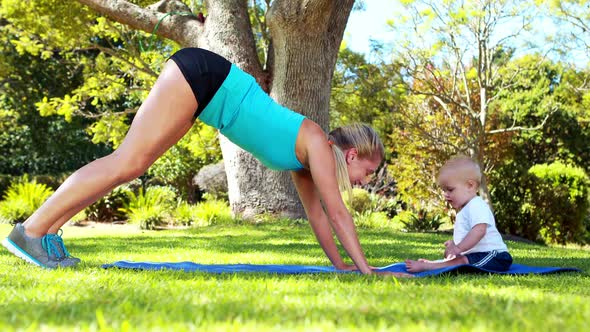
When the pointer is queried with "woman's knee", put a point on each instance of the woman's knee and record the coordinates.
(128, 167)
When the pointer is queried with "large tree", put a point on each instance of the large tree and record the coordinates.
(295, 67)
(452, 53)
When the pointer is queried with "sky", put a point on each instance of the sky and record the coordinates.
(371, 23)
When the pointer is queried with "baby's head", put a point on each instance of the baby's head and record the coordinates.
(459, 179)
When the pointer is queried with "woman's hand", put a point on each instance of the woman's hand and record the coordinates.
(346, 267)
(352, 267)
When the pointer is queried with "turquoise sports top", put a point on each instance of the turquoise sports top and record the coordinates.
(252, 120)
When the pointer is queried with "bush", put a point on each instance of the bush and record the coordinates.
(364, 201)
(370, 219)
(14, 211)
(22, 199)
(508, 195)
(147, 217)
(361, 200)
(422, 221)
(185, 214)
(5, 181)
(149, 208)
(51, 181)
(213, 211)
(109, 208)
(557, 202)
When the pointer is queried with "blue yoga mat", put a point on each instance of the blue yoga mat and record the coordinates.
(305, 269)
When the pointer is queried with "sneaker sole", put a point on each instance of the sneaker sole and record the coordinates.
(18, 252)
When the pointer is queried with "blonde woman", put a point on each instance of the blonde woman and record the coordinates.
(197, 83)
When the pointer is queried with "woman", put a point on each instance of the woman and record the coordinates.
(199, 83)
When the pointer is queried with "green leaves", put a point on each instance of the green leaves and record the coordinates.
(109, 128)
(22, 199)
(65, 106)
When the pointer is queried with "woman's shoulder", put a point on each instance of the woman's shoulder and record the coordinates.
(311, 130)
(309, 140)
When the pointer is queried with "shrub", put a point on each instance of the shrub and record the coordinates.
(368, 219)
(422, 221)
(557, 202)
(361, 200)
(508, 195)
(364, 201)
(109, 207)
(22, 199)
(14, 211)
(149, 208)
(5, 181)
(185, 214)
(147, 217)
(213, 211)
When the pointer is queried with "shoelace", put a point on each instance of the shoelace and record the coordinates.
(53, 243)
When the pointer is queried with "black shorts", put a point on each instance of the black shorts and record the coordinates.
(491, 260)
(204, 71)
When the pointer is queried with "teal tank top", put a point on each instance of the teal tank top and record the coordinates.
(252, 120)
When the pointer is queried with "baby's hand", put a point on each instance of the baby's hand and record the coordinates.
(451, 249)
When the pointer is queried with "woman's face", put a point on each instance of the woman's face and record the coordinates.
(360, 169)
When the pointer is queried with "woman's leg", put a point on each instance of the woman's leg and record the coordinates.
(163, 118)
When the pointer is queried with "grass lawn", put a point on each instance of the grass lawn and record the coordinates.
(91, 298)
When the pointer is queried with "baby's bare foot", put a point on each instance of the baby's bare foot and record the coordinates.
(415, 266)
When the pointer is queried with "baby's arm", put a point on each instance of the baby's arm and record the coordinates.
(471, 239)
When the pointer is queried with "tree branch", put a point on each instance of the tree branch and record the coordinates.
(175, 27)
(520, 128)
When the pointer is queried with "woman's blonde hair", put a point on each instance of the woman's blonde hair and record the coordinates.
(359, 136)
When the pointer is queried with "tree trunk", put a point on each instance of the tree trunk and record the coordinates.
(306, 36)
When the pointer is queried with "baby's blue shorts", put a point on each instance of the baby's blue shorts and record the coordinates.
(491, 260)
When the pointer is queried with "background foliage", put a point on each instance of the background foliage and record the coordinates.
(71, 82)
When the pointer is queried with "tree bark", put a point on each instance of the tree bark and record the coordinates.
(306, 36)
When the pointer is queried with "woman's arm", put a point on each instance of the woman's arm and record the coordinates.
(322, 167)
(317, 217)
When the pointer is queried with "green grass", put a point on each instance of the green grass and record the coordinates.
(91, 298)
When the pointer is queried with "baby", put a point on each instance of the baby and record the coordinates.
(476, 240)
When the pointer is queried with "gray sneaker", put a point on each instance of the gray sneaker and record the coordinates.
(56, 241)
(37, 251)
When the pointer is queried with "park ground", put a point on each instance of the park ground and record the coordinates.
(90, 298)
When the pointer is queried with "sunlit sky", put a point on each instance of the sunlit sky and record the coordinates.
(371, 23)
